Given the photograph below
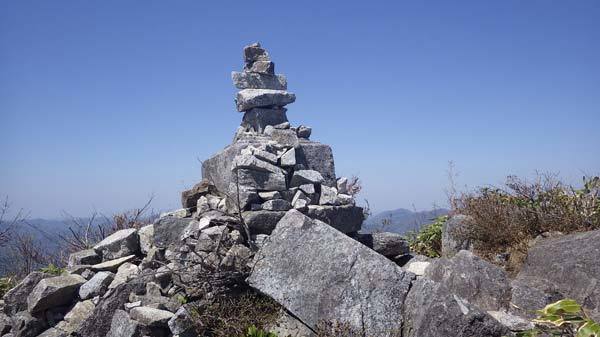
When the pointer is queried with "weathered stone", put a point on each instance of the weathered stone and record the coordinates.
(385, 243)
(287, 138)
(254, 52)
(146, 235)
(189, 198)
(119, 244)
(54, 292)
(125, 272)
(15, 300)
(263, 67)
(202, 206)
(210, 238)
(182, 323)
(269, 195)
(304, 131)
(452, 235)
(276, 205)
(262, 222)
(52, 332)
(237, 258)
(328, 196)
(178, 213)
(330, 277)
(246, 80)
(418, 268)
(260, 154)
(259, 180)
(96, 286)
(346, 219)
(308, 189)
(289, 158)
(251, 162)
(5, 324)
(88, 256)
(111, 265)
(300, 200)
(342, 185)
(318, 157)
(247, 99)
(150, 316)
(302, 177)
(473, 279)
(512, 322)
(167, 231)
(26, 325)
(566, 267)
(123, 326)
(345, 199)
(432, 310)
(76, 316)
(283, 126)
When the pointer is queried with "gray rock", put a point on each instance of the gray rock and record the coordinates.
(123, 326)
(261, 154)
(5, 324)
(150, 316)
(15, 300)
(289, 158)
(125, 272)
(254, 52)
(182, 323)
(432, 310)
(119, 244)
(473, 279)
(302, 177)
(251, 162)
(178, 213)
(342, 185)
(512, 322)
(346, 219)
(308, 189)
(263, 67)
(246, 80)
(237, 258)
(330, 277)
(97, 285)
(54, 292)
(269, 195)
(258, 119)
(318, 157)
(565, 266)
(452, 235)
(146, 235)
(418, 268)
(385, 243)
(247, 99)
(283, 126)
(26, 325)
(328, 196)
(259, 180)
(276, 205)
(189, 198)
(75, 317)
(300, 201)
(210, 238)
(111, 265)
(304, 131)
(287, 138)
(53, 332)
(88, 256)
(167, 231)
(262, 222)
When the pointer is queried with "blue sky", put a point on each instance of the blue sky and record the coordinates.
(103, 103)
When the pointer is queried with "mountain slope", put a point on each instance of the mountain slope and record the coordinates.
(401, 220)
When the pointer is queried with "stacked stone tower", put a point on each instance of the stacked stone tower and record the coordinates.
(271, 166)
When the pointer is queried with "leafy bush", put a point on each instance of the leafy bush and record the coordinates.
(255, 332)
(6, 283)
(506, 219)
(53, 270)
(428, 240)
(563, 318)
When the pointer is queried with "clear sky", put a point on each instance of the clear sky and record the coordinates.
(103, 103)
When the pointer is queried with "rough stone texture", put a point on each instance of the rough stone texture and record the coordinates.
(123, 326)
(288, 326)
(285, 137)
(346, 219)
(52, 332)
(302, 177)
(151, 316)
(146, 235)
(289, 158)
(97, 285)
(15, 300)
(88, 256)
(167, 231)
(99, 322)
(328, 196)
(470, 277)
(263, 67)
(269, 195)
(330, 276)
(432, 310)
(259, 180)
(247, 99)
(418, 268)
(254, 52)
(125, 272)
(53, 292)
(246, 80)
(304, 131)
(112, 265)
(452, 243)
(190, 197)
(77, 315)
(119, 244)
(251, 162)
(262, 222)
(385, 243)
(5, 324)
(566, 266)
(276, 205)
(26, 325)
(512, 322)
(318, 157)
(182, 323)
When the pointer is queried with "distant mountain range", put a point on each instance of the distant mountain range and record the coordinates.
(400, 220)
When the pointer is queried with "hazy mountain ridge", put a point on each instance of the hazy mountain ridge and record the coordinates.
(402, 220)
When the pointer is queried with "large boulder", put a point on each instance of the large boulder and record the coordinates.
(119, 244)
(470, 277)
(330, 277)
(453, 231)
(565, 267)
(54, 292)
(168, 230)
(262, 222)
(26, 325)
(432, 310)
(15, 300)
(346, 219)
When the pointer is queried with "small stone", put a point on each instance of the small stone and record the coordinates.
(266, 156)
(304, 132)
(308, 188)
(342, 185)
(269, 195)
(125, 272)
(269, 130)
(202, 206)
(254, 52)
(182, 323)
(178, 213)
(418, 267)
(302, 177)
(97, 285)
(247, 99)
(150, 316)
(263, 67)
(328, 196)
(289, 158)
(300, 200)
(259, 119)
(111, 265)
(282, 126)
(252, 180)
(209, 238)
(129, 306)
(345, 199)
(251, 162)
(189, 198)
(237, 257)
(262, 222)
(123, 326)
(276, 205)
(84, 257)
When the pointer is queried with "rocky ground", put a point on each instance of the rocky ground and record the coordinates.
(271, 216)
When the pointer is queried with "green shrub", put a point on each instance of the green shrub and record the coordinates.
(255, 332)
(428, 240)
(6, 283)
(53, 270)
(563, 318)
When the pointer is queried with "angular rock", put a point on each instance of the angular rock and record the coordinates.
(304, 131)
(328, 196)
(285, 138)
(112, 265)
(52, 332)
(182, 323)
(254, 52)
(302, 177)
(289, 158)
(300, 201)
(123, 326)
(330, 277)
(418, 268)
(247, 99)
(15, 300)
(512, 322)
(97, 285)
(189, 198)
(276, 205)
(342, 185)
(432, 310)
(385, 243)
(346, 219)
(146, 235)
(54, 292)
(474, 279)
(251, 162)
(150, 316)
(318, 157)
(237, 258)
(260, 154)
(167, 231)
(119, 244)
(269, 195)
(259, 180)
(88, 256)
(258, 119)
(452, 235)
(308, 189)
(246, 80)
(263, 67)
(76, 316)
(125, 272)
(288, 326)
(26, 325)
(178, 213)
(262, 222)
